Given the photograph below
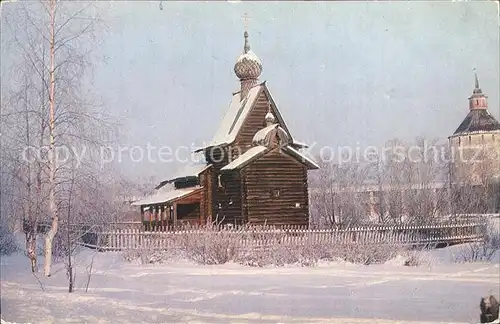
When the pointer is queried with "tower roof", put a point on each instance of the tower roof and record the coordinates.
(477, 89)
(478, 120)
(478, 100)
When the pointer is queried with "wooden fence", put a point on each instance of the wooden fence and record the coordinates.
(136, 238)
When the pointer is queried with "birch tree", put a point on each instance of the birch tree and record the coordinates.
(54, 43)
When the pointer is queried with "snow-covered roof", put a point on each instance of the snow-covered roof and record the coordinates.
(234, 117)
(299, 144)
(166, 196)
(189, 170)
(237, 113)
(478, 120)
(304, 159)
(258, 151)
(245, 158)
(262, 136)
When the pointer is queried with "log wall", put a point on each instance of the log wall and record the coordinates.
(237, 197)
(276, 171)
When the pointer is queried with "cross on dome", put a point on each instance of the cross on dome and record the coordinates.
(248, 65)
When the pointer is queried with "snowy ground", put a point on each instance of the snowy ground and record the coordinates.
(122, 292)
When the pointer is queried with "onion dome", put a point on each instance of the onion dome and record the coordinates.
(270, 118)
(248, 65)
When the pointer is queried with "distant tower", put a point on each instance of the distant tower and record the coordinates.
(475, 145)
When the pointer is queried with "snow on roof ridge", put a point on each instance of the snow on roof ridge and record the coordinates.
(245, 158)
(303, 157)
(233, 117)
(166, 196)
(188, 170)
(260, 137)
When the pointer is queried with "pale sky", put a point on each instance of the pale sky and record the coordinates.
(341, 73)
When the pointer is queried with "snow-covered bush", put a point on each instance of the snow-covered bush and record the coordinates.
(256, 247)
(8, 244)
(417, 258)
(279, 255)
(147, 256)
(367, 253)
(210, 247)
(483, 251)
(309, 254)
(413, 259)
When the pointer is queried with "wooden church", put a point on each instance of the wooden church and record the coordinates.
(254, 171)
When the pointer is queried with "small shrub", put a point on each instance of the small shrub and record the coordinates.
(8, 244)
(309, 254)
(278, 255)
(483, 251)
(147, 256)
(367, 254)
(412, 261)
(210, 247)
(416, 258)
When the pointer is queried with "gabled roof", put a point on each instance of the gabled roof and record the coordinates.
(478, 120)
(247, 157)
(257, 151)
(234, 117)
(188, 171)
(166, 196)
(237, 113)
(301, 157)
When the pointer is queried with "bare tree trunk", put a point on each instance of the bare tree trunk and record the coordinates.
(68, 237)
(381, 198)
(52, 156)
(29, 216)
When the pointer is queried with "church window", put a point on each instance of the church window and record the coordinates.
(219, 181)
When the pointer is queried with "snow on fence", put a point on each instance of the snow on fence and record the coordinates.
(137, 239)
